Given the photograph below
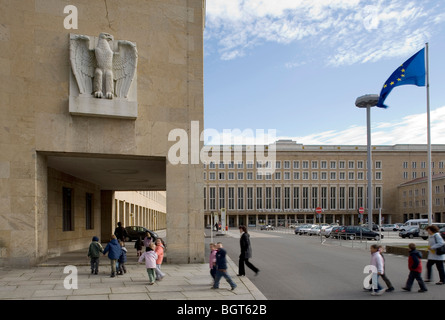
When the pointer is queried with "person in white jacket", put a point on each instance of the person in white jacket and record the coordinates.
(435, 241)
(377, 262)
(150, 263)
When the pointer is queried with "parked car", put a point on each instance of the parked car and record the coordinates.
(412, 223)
(327, 231)
(134, 232)
(423, 233)
(357, 232)
(306, 228)
(411, 232)
(389, 227)
(314, 231)
(266, 227)
(336, 231)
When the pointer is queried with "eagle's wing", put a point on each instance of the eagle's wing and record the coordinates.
(124, 67)
(83, 62)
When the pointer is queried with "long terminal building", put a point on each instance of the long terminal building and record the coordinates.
(330, 177)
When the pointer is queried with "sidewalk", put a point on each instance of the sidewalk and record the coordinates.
(182, 282)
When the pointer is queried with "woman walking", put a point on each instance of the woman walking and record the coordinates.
(246, 253)
(435, 241)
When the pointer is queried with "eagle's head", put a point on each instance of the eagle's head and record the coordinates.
(106, 36)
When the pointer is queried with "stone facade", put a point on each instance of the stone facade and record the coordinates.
(41, 142)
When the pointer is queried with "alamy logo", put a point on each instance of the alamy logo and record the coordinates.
(70, 281)
(370, 280)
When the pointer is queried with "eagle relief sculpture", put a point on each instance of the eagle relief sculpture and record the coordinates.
(103, 67)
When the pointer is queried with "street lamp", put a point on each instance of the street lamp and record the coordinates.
(368, 101)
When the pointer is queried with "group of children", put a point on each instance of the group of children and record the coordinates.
(414, 266)
(218, 265)
(117, 253)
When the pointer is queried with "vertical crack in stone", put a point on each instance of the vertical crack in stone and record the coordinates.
(107, 16)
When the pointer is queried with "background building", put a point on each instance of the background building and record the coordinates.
(306, 177)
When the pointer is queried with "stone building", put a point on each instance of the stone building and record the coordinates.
(66, 149)
(413, 198)
(333, 178)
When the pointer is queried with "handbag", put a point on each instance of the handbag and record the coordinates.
(441, 250)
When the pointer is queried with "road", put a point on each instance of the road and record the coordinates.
(300, 267)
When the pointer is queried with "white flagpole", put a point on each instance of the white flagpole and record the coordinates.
(430, 178)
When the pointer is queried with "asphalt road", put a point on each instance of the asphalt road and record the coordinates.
(300, 267)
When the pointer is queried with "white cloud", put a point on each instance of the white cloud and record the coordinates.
(350, 31)
(411, 129)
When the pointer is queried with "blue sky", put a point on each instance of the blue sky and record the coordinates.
(297, 66)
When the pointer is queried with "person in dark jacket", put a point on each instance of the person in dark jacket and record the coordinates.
(122, 259)
(415, 269)
(120, 232)
(114, 250)
(246, 253)
(221, 268)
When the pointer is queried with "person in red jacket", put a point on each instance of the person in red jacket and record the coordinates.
(415, 269)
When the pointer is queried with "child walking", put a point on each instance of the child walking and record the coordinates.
(377, 261)
(415, 269)
(138, 246)
(114, 252)
(212, 260)
(122, 259)
(384, 276)
(160, 248)
(221, 268)
(150, 263)
(94, 252)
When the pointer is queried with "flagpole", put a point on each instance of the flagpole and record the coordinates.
(430, 178)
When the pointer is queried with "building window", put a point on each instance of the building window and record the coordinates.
(360, 202)
(205, 198)
(231, 198)
(324, 197)
(249, 198)
(296, 198)
(305, 198)
(286, 197)
(351, 198)
(341, 198)
(268, 198)
(222, 175)
(222, 197)
(259, 198)
(333, 197)
(68, 212)
(378, 197)
(314, 197)
(212, 198)
(89, 217)
(240, 198)
(278, 198)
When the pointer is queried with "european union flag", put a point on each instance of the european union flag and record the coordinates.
(411, 72)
